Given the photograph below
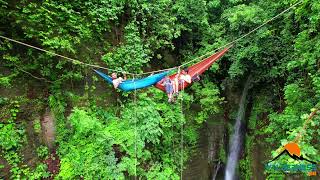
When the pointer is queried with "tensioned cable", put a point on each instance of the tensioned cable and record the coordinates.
(36, 77)
(243, 36)
(150, 72)
(62, 56)
(181, 145)
(181, 131)
(135, 128)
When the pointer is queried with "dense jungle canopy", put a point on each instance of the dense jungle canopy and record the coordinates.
(60, 120)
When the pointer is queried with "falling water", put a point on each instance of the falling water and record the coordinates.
(236, 140)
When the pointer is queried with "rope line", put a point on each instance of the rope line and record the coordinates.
(62, 56)
(243, 36)
(162, 70)
(36, 77)
(181, 146)
(135, 128)
(157, 71)
(172, 143)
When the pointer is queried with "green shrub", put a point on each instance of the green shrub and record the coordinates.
(43, 152)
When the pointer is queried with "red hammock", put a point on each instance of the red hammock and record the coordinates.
(196, 69)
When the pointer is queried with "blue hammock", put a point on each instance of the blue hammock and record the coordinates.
(134, 84)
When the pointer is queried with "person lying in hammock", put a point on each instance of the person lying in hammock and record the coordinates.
(116, 81)
(185, 77)
(181, 78)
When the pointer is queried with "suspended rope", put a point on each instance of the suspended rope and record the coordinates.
(172, 143)
(243, 36)
(150, 72)
(36, 77)
(135, 129)
(181, 131)
(158, 71)
(75, 61)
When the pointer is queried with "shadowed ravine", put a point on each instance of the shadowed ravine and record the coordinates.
(237, 137)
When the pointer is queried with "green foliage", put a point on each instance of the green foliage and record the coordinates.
(131, 56)
(43, 152)
(57, 103)
(289, 123)
(153, 117)
(162, 172)
(283, 57)
(88, 151)
(12, 141)
(5, 81)
(37, 125)
(261, 106)
(222, 154)
(192, 14)
(97, 135)
(209, 100)
(3, 100)
(245, 166)
(147, 120)
(275, 176)
(82, 123)
(10, 136)
(290, 119)
(39, 172)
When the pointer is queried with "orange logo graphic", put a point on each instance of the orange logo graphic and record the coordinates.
(293, 150)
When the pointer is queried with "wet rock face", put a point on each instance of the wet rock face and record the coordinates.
(48, 128)
(198, 165)
(209, 160)
(205, 162)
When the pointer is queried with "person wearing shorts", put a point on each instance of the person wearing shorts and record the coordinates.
(168, 84)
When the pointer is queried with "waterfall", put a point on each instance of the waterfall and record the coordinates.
(236, 140)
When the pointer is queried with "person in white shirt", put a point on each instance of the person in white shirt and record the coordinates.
(185, 77)
(116, 81)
